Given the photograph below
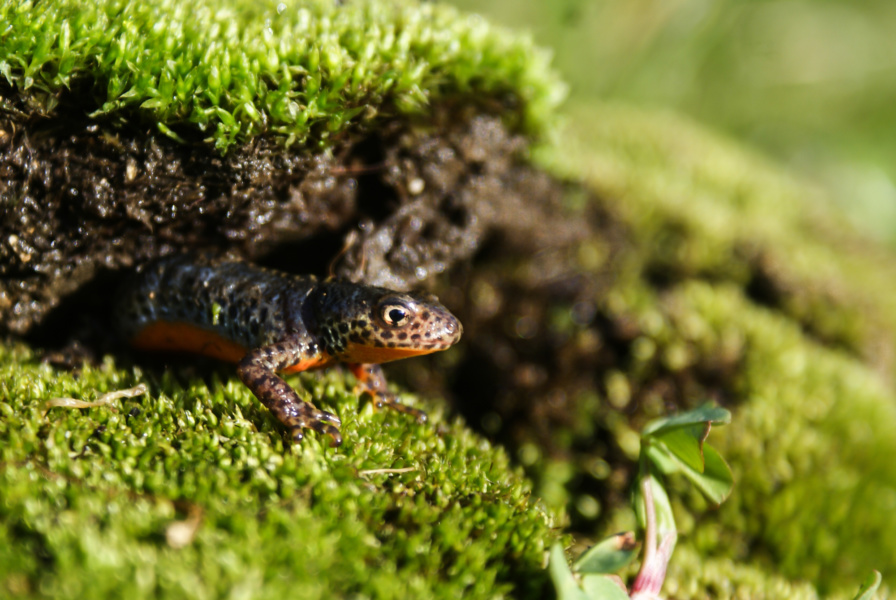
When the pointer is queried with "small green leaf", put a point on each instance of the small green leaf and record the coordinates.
(154, 103)
(564, 582)
(686, 443)
(868, 589)
(609, 555)
(704, 414)
(601, 587)
(170, 133)
(716, 481)
(353, 112)
(676, 444)
(661, 458)
(226, 117)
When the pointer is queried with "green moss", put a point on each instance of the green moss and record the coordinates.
(693, 575)
(703, 207)
(812, 445)
(226, 72)
(806, 370)
(93, 499)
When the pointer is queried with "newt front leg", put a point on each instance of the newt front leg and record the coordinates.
(372, 380)
(258, 371)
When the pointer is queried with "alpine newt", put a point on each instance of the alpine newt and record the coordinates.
(269, 322)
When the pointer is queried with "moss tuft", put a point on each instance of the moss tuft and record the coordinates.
(192, 491)
(301, 70)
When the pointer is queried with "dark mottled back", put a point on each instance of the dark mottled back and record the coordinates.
(249, 305)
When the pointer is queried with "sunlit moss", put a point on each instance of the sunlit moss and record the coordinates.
(90, 496)
(227, 71)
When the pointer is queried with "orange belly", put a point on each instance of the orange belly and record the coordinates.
(359, 353)
(178, 336)
(318, 362)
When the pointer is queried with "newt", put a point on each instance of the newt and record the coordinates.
(269, 322)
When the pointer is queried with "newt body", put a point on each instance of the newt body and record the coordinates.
(269, 322)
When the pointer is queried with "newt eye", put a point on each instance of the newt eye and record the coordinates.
(395, 315)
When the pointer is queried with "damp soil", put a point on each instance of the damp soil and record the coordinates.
(451, 205)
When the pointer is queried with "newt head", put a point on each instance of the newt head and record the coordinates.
(371, 325)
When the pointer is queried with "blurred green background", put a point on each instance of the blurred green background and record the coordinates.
(810, 83)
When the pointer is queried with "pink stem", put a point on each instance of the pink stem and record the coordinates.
(650, 536)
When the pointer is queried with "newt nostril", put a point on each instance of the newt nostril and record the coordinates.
(454, 328)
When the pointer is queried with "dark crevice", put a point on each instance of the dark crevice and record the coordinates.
(763, 290)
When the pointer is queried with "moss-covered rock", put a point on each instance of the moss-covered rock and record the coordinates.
(648, 266)
(135, 129)
(741, 287)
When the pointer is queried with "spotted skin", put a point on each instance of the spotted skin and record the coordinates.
(268, 322)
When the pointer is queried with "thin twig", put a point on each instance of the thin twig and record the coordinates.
(107, 398)
(380, 471)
